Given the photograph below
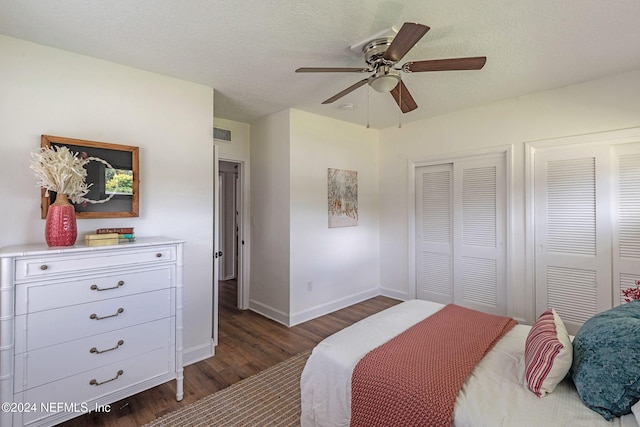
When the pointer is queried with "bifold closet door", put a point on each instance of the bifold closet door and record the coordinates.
(573, 232)
(434, 233)
(626, 237)
(479, 234)
(460, 233)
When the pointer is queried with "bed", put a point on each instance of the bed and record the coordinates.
(494, 394)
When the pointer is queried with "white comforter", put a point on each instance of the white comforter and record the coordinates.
(495, 394)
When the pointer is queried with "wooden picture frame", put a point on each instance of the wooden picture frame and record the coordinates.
(123, 158)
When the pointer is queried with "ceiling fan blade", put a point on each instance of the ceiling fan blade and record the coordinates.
(407, 37)
(331, 70)
(346, 91)
(404, 99)
(472, 63)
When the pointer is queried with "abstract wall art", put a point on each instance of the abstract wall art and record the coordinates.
(343, 198)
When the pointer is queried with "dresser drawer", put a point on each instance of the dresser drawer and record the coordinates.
(51, 327)
(90, 263)
(37, 296)
(80, 390)
(38, 367)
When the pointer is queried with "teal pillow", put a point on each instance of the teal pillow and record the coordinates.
(606, 360)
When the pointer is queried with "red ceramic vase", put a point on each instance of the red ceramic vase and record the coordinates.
(60, 228)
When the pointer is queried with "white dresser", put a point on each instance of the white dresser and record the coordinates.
(82, 327)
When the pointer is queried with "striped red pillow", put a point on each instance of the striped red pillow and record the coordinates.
(548, 353)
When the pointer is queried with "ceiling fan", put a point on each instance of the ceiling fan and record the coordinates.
(382, 55)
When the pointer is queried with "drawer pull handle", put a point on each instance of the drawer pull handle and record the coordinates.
(95, 382)
(96, 351)
(44, 267)
(159, 255)
(96, 317)
(96, 288)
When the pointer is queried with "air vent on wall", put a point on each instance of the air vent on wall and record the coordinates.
(223, 135)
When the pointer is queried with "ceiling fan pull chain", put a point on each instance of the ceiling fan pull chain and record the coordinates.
(368, 91)
(400, 103)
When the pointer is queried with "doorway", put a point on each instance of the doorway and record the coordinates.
(231, 244)
(228, 231)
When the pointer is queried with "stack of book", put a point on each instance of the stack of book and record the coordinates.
(110, 236)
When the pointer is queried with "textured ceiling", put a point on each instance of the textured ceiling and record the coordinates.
(248, 50)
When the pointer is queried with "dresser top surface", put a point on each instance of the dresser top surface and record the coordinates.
(43, 249)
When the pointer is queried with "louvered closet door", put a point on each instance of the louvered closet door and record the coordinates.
(573, 233)
(434, 241)
(626, 247)
(479, 235)
(460, 232)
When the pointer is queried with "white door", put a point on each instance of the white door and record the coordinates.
(626, 238)
(434, 233)
(479, 234)
(573, 232)
(460, 233)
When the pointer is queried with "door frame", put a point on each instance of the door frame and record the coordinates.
(216, 247)
(413, 164)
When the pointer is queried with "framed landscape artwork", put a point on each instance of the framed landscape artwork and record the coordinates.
(343, 198)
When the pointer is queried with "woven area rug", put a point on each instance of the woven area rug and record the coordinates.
(268, 398)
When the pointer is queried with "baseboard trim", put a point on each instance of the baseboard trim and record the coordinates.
(321, 310)
(392, 293)
(195, 354)
(269, 312)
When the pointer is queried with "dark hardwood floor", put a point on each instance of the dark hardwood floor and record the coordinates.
(247, 344)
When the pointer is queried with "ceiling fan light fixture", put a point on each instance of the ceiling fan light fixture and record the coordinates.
(382, 55)
(384, 82)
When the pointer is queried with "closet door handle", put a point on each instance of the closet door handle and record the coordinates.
(96, 288)
(96, 317)
(96, 351)
(95, 382)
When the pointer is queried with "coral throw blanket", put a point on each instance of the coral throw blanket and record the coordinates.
(414, 379)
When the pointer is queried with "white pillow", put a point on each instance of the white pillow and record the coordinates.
(548, 353)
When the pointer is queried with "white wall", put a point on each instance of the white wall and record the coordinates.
(600, 105)
(239, 147)
(270, 186)
(49, 91)
(342, 263)
(291, 242)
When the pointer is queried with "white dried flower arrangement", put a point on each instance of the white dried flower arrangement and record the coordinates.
(61, 170)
